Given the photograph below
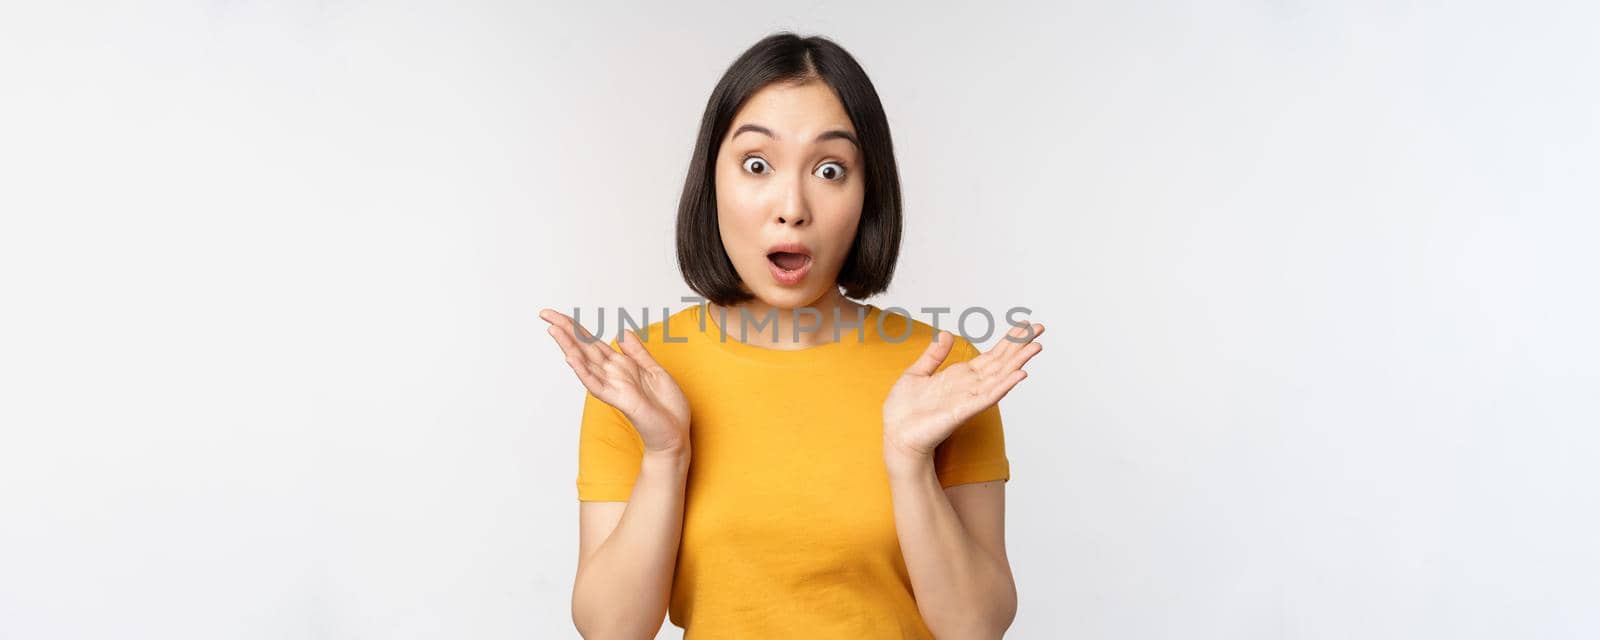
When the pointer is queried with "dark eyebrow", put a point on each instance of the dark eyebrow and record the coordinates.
(839, 134)
(830, 134)
(752, 127)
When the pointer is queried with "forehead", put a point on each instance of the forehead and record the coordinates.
(794, 111)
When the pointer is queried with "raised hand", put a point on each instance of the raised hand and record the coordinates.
(924, 408)
(631, 381)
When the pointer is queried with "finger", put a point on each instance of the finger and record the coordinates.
(1008, 341)
(620, 368)
(1022, 356)
(998, 375)
(1005, 387)
(999, 359)
(934, 355)
(564, 339)
(581, 336)
(635, 350)
(559, 319)
(592, 380)
(600, 348)
(622, 361)
(1021, 335)
(1008, 344)
(573, 350)
(578, 359)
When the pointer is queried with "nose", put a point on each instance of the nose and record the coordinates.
(793, 208)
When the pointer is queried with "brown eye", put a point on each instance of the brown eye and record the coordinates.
(831, 171)
(756, 165)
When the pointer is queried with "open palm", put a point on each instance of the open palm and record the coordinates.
(926, 405)
(631, 381)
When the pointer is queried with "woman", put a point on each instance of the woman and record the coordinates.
(844, 474)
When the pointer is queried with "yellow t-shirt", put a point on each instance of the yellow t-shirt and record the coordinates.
(788, 527)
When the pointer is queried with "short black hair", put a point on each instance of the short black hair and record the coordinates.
(786, 57)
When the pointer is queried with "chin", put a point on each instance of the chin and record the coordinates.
(787, 298)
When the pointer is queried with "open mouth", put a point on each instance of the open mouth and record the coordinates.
(789, 261)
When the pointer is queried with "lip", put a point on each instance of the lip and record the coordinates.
(790, 278)
(790, 247)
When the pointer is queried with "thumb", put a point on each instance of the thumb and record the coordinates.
(934, 355)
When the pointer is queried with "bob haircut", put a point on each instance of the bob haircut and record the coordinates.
(786, 57)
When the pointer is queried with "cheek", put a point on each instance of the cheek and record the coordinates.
(843, 215)
(736, 199)
(738, 217)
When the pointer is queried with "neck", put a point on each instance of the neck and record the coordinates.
(760, 321)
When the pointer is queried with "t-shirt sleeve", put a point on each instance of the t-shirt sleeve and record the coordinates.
(976, 451)
(609, 452)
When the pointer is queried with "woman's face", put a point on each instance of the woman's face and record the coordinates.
(789, 173)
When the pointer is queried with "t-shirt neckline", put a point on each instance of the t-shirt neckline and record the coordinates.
(850, 340)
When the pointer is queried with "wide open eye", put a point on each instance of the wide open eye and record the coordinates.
(831, 171)
(756, 165)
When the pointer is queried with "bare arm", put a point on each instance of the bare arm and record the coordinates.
(957, 561)
(628, 552)
(953, 539)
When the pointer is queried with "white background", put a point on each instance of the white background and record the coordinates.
(1319, 278)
